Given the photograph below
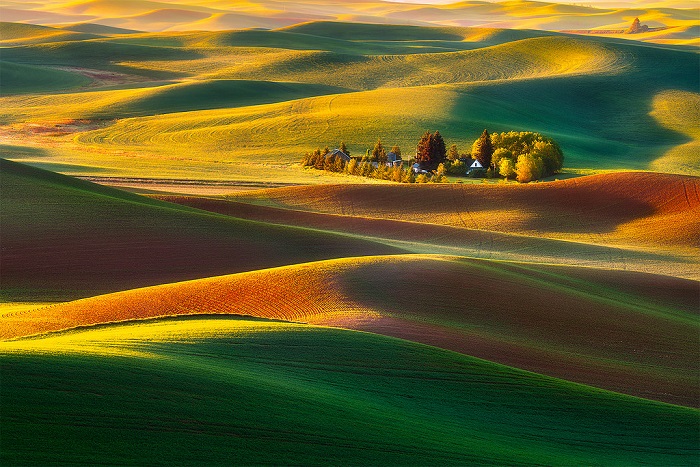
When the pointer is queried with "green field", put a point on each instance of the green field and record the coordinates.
(215, 390)
(243, 309)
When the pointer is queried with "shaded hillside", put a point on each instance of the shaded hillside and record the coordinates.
(64, 238)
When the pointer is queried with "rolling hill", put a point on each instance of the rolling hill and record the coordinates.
(349, 320)
(581, 324)
(226, 14)
(63, 238)
(599, 98)
(625, 209)
(212, 389)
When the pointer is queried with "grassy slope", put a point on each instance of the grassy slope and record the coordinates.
(23, 79)
(63, 238)
(582, 324)
(279, 393)
(594, 96)
(679, 111)
(596, 118)
(25, 34)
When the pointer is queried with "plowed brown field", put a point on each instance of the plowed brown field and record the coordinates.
(633, 208)
(629, 332)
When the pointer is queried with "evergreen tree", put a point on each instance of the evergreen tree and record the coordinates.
(482, 149)
(344, 148)
(438, 150)
(396, 150)
(379, 153)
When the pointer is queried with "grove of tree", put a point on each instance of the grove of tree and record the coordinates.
(431, 150)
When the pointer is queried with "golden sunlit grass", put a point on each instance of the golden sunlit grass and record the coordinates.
(222, 14)
(262, 79)
(134, 338)
(679, 111)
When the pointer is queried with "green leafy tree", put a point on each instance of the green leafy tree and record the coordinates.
(482, 149)
(506, 167)
(551, 155)
(528, 168)
(527, 142)
(499, 154)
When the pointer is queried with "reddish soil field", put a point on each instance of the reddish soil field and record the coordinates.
(459, 240)
(64, 239)
(636, 208)
(611, 329)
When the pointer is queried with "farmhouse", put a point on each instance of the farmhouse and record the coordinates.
(393, 160)
(418, 169)
(338, 153)
(476, 165)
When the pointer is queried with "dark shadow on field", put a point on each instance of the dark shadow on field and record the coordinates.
(629, 332)
(599, 120)
(9, 151)
(64, 238)
(99, 55)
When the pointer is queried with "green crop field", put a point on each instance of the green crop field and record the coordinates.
(217, 390)
(176, 288)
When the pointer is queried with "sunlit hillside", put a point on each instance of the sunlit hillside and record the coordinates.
(246, 105)
(499, 265)
(180, 15)
(267, 392)
(586, 333)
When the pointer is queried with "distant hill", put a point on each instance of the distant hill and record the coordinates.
(151, 15)
(94, 28)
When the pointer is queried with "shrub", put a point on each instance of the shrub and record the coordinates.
(351, 167)
(457, 167)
